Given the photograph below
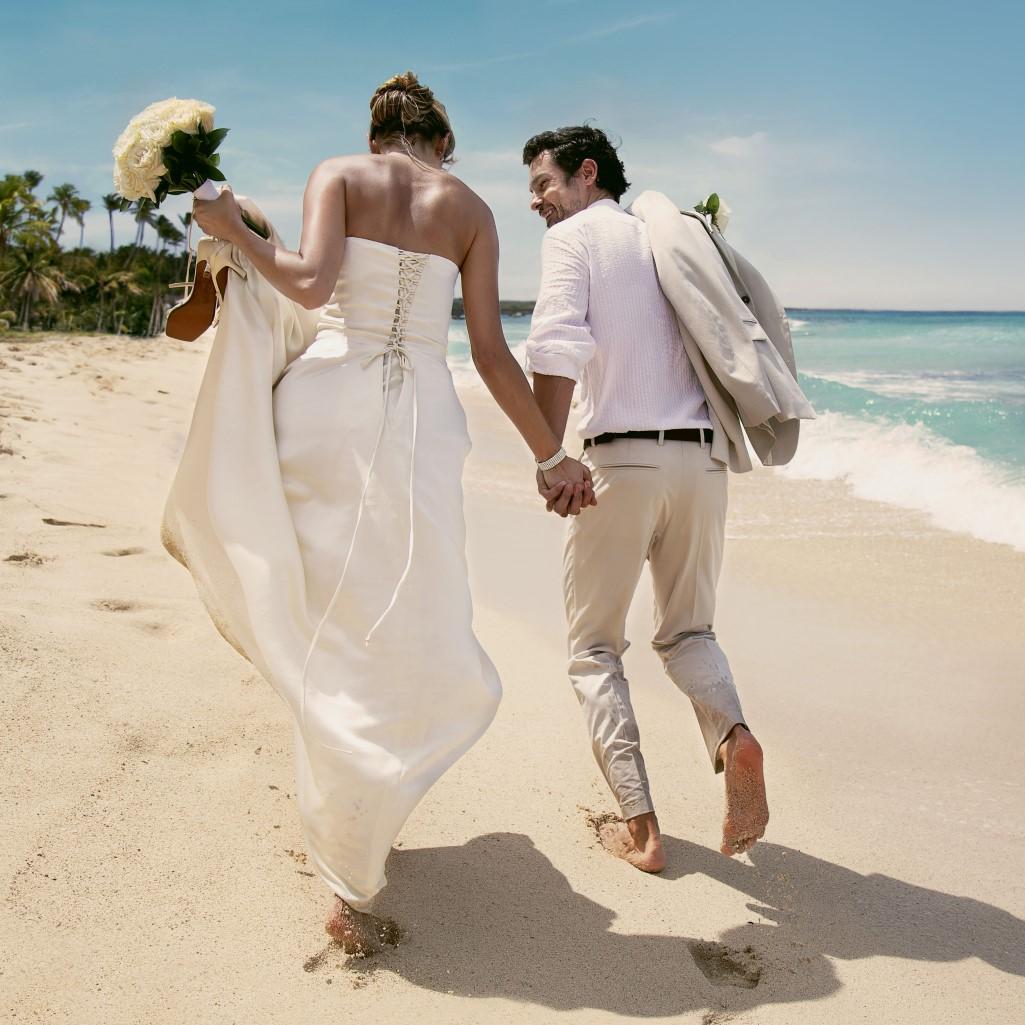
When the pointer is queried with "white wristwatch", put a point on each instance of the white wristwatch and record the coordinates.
(547, 464)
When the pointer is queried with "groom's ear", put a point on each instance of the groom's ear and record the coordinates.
(588, 171)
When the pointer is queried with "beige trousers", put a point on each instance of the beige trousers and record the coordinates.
(664, 503)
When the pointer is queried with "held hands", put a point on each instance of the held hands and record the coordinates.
(220, 217)
(566, 487)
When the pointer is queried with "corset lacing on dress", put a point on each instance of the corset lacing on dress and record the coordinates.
(394, 354)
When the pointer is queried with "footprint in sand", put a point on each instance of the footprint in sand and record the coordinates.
(312, 963)
(115, 605)
(725, 966)
(155, 629)
(118, 552)
(26, 558)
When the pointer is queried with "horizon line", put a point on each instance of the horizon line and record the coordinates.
(848, 309)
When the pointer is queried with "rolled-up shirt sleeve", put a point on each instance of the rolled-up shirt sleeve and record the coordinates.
(560, 341)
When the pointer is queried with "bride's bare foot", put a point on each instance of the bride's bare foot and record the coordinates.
(636, 841)
(360, 933)
(747, 812)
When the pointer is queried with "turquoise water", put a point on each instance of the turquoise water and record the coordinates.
(921, 410)
(961, 375)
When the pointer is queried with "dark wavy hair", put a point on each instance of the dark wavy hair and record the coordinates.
(570, 147)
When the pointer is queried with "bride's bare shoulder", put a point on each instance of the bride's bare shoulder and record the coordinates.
(340, 168)
(466, 198)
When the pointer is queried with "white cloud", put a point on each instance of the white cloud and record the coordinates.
(484, 62)
(506, 161)
(739, 145)
(625, 26)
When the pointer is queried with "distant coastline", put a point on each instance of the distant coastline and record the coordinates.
(507, 308)
(525, 307)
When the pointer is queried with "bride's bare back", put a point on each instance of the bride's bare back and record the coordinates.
(392, 199)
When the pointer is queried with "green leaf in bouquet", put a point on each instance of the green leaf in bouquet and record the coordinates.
(216, 137)
(180, 142)
(199, 165)
(712, 203)
(701, 208)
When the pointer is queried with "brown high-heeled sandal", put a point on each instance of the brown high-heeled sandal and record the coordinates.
(188, 319)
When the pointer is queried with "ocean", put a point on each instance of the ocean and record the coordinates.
(921, 410)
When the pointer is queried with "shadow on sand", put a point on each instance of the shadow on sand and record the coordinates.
(495, 918)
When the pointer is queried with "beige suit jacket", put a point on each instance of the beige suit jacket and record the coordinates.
(742, 352)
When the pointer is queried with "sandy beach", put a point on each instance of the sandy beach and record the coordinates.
(153, 863)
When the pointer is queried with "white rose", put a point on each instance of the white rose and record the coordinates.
(722, 217)
(133, 184)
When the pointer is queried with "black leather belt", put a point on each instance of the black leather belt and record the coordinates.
(703, 434)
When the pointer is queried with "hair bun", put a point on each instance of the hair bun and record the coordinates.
(407, 82)
(403, 106)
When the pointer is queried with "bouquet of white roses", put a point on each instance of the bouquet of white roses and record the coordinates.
(170, 148)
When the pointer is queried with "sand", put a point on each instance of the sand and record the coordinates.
(153, 863)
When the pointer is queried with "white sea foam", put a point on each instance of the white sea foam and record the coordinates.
(950, 386)
(795, 324)
(910, 466)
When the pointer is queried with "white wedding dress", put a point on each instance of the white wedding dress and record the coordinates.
(323, 523)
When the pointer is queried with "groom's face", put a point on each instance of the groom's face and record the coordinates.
(554, 194)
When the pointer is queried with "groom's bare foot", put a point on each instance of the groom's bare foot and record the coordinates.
(636, 841)
(359, 933)
(747, 811)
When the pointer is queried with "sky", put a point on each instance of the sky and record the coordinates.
(873, 153)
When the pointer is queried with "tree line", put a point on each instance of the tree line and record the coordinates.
(44, 286)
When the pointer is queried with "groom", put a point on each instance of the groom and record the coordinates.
(601, 319)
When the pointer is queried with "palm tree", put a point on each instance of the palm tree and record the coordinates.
(112, 204)
(63, 197)
(12, 209)
(34, 277)
(114, 284)
(168, 234)
(144, 218)
(19, 207)
(79, 208)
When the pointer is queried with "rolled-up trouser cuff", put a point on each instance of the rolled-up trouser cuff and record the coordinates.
(698, 666)
(639, 806)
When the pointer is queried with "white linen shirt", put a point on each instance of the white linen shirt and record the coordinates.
(601, 319)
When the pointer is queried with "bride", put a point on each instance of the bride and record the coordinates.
(336, 562)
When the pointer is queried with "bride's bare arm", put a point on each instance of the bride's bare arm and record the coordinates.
(309, 275)
(497, 366)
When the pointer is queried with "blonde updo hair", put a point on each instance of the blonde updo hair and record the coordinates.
(402, 108)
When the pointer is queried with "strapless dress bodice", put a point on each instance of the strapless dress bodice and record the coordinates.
(386, 293)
